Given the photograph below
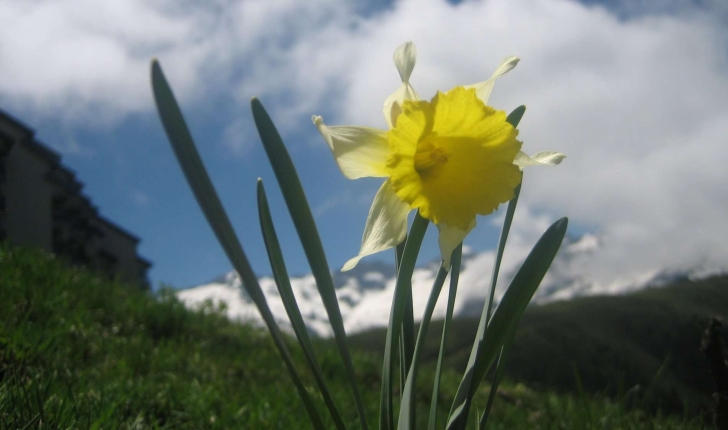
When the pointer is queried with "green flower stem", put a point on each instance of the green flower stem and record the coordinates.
(199, 181)
(283, 282)
(454, 277)
(396, 317)
(302, 217)
(407, 411)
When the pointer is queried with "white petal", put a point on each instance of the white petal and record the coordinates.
(449, 239)
(359, 151)
(483, 89)
(545, 158)
(386, 225)
(393, 103)
(404, 58)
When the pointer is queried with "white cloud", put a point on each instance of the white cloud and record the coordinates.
(638, 103)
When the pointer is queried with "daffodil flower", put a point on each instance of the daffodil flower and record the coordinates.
(453, 157)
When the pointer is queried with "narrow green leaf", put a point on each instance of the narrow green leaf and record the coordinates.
(300, 212)
(501, 248)
(407, 334)
(489, 340)
(396, 316)
(514, 118)
(407, 411)
(497, 376)
(191, 164)
(454, 277)
(280, 274)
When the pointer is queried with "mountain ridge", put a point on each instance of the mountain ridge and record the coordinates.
(365, 292)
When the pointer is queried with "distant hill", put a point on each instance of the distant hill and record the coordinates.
(611, 342)
(365, 293)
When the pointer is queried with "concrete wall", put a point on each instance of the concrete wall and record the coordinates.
(123, 247)
(27, 198)
(43, 207)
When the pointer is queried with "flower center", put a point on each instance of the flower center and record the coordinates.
(428, 156)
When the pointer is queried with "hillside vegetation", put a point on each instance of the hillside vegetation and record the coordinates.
(80, 352)
(646, 343)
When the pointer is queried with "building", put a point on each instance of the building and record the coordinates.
(41, 205)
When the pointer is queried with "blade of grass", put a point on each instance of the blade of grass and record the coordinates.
(198, 179)
(454, 276)
(396, 315)
(280, 274)
(489, 340)
(302, 217)
(407, 411)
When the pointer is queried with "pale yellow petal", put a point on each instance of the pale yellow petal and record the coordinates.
(404, 59)
(386, 224)
(393, 104)
(545, 158)
(359, 151)
(449, 238)
(483, 89)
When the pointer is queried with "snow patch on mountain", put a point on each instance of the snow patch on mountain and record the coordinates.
(365, 293)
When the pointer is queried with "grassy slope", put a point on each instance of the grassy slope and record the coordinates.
(612, 343)
(76, 351)
(79, 352)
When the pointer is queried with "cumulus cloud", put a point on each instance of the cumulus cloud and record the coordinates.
(635, 98)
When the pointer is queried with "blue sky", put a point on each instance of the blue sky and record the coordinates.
(634, 97)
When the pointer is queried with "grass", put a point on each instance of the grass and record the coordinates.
(77, 351)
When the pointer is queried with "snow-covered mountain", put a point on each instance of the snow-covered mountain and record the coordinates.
(365, 293)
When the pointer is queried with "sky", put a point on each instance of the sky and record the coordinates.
(635, 96)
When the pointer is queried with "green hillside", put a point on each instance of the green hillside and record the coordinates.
(649, 339)
(79, 352)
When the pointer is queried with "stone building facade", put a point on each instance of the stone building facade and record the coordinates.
(41, 205)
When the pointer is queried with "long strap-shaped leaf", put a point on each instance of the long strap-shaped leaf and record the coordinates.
(407, 334)
(189, 159)
(514, 118)
(396, 316)
(500, 366)
(489, 340)
(454, 277)
(308, 234)
(280, 274)
(407, 411)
